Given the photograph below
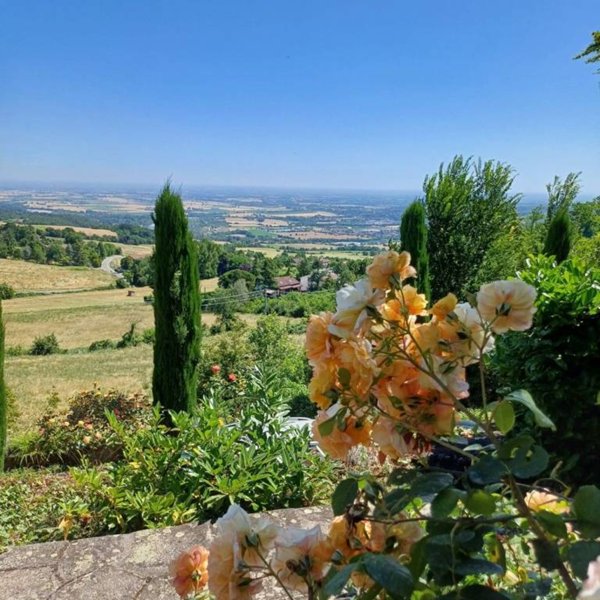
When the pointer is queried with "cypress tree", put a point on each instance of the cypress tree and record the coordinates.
(3, 398)
(413, 239)
(558, 238)
(176, 306)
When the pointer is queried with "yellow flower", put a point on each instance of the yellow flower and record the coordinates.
(442, 308)
(407, 305)
(387, 265)
(322, 381)
(301, 555)
(507, 305)
(190, 571)
(355, 356)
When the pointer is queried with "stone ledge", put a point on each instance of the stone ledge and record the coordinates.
(132, 566)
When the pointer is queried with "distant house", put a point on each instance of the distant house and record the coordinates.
(287, 284)
(305, 283)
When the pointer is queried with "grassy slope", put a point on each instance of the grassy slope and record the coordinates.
(30, 277)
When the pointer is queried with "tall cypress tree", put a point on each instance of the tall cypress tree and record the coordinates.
(558, 238)
(413, 239)
(3, 398)
(176, 306)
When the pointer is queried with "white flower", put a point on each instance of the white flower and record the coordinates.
(591, 586)
(352, 302)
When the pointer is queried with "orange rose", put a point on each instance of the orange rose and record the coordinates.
(388, 264)
(190, 571)
(338, 442)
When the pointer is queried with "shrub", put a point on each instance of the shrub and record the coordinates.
(557, 361)
(83, 430)
(43, 345)
(558, 238)
(6, 291)
(102, 345)
(168, 479)
(413, 239)
(129, 338)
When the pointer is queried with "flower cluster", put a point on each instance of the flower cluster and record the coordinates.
(246, 552)
(388, 371)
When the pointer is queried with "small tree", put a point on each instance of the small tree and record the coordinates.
(558, 239)
(561, 194)
(3, 397)
(176, 306)
(413, 239)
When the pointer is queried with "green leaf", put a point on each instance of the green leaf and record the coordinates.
(443, 504)
(478, 566)
(343, 496)
(480, 502)
(393, 577)
(546, 553)
(336, 580)
(344, 377)
(487, 469)
(581, 554)
(431, 483)
(326, 427)
(552, 523)
(523, 457)
(587, 510)
(524, 397)
(504, 416)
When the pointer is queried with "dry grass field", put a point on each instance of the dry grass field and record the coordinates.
(31, 277)
(85, 230)
(33, 378)
(137, 251)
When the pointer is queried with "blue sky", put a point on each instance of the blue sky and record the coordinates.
(300, 93)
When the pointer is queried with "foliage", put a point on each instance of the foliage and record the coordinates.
(561, 194)
(558, 238)
(592, 52)
(557, 361)
(469, 206)
(44, 345)
(228, 279)
(586, 217)
(176, 307)
(4, 407)
(42, 506)
(27, 242)
(83, 432)
(6, 291)
(168, 479)
(294, 304)
(137, 272)
(413, 239)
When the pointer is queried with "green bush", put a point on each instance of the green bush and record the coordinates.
(294, 304)
(6, 291)
(102, 345)
(557, 361)
(82, 432)
(44, 345)
(167, 479)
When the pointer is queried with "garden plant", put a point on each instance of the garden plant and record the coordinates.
(390, 374)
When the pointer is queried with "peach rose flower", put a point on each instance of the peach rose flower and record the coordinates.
(190, 571)
(323, 380)
(543, 500)
(351, 539)
(319, 344)
(591, 586)
(408, 303)
(390, 441)
(388, 264)
(508, 305)
(442, 308)
(237, 547)
(338, 442)
(301, 555)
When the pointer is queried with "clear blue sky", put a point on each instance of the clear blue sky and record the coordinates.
(310, 93)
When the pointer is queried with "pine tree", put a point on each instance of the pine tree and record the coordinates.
(558, 238)
(413, 239)
(176, 306)
(3, 398)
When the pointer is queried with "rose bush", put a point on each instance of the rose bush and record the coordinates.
(390, 374)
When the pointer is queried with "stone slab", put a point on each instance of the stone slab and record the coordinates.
(133, 566)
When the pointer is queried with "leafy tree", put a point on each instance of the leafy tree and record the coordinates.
(592, 52)
(3, 397)
(558, 239)
(176, 306)
(208, 259)
(586, 217)
(468, 206)
(561, 194)
(228, 279)
(413, 239)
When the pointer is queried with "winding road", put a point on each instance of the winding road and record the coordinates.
(106, 266)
